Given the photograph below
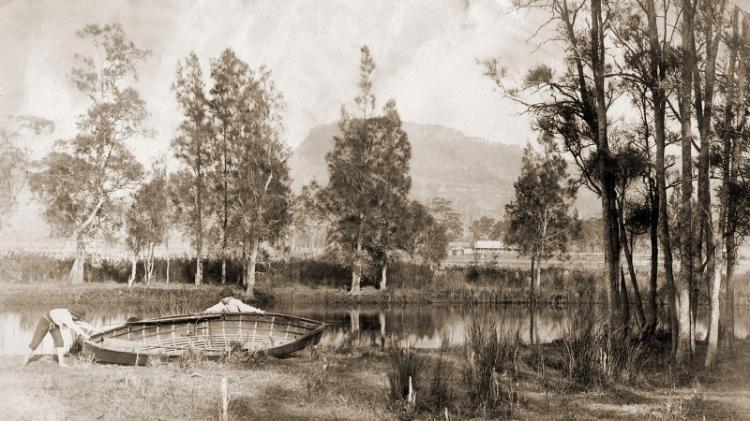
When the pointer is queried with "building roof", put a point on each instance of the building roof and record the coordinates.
(484, 244)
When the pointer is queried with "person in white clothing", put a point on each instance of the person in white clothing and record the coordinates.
(229, 304)
(51, 323)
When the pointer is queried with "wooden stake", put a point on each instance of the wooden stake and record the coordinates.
(224, 400)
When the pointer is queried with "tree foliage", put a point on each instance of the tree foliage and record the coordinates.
(81, 179)
(366, 196)
(540, 218)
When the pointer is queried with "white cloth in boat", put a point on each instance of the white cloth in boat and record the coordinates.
(232, 305)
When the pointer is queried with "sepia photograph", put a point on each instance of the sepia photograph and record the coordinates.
(375, 210)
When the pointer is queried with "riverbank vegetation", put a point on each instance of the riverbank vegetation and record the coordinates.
(491, 377)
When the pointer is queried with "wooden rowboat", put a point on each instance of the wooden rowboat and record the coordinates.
(206, 335)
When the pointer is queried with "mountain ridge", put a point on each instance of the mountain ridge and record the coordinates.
(475, 174)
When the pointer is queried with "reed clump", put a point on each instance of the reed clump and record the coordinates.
(491, 373)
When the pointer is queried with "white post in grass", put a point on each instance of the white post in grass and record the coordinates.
(224, 400)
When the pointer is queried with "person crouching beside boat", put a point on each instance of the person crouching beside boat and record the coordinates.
(229, 304)
(51, 323)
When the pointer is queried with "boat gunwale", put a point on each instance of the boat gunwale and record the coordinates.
(320, 326)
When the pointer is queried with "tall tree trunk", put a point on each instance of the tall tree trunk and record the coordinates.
(610, 231)
(225, 222)
(532, 282)
(167, 274)
(729, 297)
(654, 273)
(199, 233)
(76, 272)
(684, 286)
(704, 182)
(658, 76)
(251, 264)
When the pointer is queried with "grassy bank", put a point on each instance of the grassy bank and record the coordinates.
(181, 298)
(356, 384)
(172, 298)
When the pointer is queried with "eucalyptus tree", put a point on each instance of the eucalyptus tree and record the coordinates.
(81, 179)
(189, 186)
(258, 176)
(146, 221)
(368, 178)
(229, 75)
(540, 217)
(731, 126)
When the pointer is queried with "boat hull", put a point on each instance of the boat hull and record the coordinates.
(203, 335)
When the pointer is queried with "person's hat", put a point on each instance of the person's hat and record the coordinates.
(77, 311)
(226, 292)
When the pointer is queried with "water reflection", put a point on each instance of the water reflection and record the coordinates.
(433, 326)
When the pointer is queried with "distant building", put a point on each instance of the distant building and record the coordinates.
(459, 248)
(488, 247)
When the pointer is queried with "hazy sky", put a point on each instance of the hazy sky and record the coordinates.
(425, 52)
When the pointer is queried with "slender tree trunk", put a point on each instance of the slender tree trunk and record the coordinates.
(225, 222)
(654, 273)
(658, 74)
(168, 258)
(252, 263)
(383, 275)
(357, 270)
(729, 281)
(151, 262)
(625, 303)
(538, 279)
(684, 286)
(610, 231)
(713, 325)
(224, 263)
(726, 165)
(639, 313)
(532, 283)
(133, 269)
(199, 231)
(76, 273)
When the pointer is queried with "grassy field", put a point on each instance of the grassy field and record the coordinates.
(345, 384)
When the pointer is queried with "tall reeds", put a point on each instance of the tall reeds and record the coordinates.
(490, 372)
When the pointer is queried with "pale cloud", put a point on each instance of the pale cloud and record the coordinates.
(425, 51)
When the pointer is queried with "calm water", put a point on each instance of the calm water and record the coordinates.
(415, 326)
